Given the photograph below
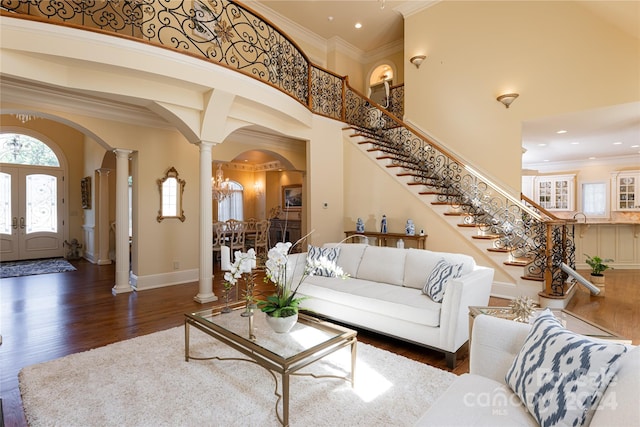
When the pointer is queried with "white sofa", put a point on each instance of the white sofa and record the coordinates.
(483, 398)
(384, 294)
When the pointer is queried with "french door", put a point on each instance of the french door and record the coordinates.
(31, 215)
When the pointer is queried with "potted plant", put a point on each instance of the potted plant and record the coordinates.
(282, 307)
(598, 267)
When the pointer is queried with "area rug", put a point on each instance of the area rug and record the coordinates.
(145, 381)
(32, 267)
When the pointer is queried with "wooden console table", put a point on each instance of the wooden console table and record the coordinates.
(383, 238)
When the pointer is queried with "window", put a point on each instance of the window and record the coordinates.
(231, 207)
(594, 198)
(20, 149)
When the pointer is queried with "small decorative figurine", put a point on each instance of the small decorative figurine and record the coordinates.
(410, 228)
(73, 249)
(523, 308)
(383, 224)
(422, 232)
(400, 244)
(359, 226)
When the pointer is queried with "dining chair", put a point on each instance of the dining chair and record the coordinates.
(235, 230)
(219, 238)
(261, 243)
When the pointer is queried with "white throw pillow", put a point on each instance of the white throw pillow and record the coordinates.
(440, 275)
(559, 375)
(322, 261)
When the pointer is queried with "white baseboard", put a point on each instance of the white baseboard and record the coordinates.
(153, 281)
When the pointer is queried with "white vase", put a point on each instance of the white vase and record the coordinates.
(282, 325)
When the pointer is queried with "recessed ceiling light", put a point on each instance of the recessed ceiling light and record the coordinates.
(545, 160)
(561, 131)
(592, 158)
(635, 146)
(358, 25)
(330, 18)
(542, 144)
(617, 143)
(575, 143)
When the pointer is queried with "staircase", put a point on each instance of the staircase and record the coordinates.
(517, 236)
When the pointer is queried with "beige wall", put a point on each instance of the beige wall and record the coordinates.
(557, 55)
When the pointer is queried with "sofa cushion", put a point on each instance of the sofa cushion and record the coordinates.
(559, 375)
(382, 264)
(474, 400)
(392, 301)
(619, 404)
(436, 284)
(350, 256)
(322, 261)
(419, 263)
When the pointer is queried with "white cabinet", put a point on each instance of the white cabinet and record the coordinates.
(555, 192)
(626, 190)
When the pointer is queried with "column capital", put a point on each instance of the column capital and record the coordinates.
(207, 144)
(104, 171)
(120, 152)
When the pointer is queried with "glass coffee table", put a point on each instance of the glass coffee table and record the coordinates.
(310, 340)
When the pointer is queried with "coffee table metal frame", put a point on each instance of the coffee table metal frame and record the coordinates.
(273, 362)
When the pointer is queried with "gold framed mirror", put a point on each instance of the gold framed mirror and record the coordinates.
(171, 188)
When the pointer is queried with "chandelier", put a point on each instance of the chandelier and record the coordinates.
(220, 187)
(24, 117)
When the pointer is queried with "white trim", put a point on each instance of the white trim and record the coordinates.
(153, 281)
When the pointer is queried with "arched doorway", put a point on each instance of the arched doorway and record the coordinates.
(31, 199)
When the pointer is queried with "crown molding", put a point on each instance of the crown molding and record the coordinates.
(412, 7)
(631, 160)
(385, 51)
(60, 100)
(289, 27)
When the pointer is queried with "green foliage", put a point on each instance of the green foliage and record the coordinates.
(280, 306)
(597, 264)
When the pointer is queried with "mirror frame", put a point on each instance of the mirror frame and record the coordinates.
(171, 173)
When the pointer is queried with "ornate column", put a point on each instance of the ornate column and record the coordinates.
(122, 222)
(103, 216)
(205, 288)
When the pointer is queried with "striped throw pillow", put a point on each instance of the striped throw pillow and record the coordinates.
(437, 281)
(559, 375)
(322, 261)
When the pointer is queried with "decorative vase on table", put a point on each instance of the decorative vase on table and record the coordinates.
(282, 325)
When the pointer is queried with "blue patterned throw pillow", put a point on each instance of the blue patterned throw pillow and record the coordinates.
(560, 376)
(322, 261)
(439, 277)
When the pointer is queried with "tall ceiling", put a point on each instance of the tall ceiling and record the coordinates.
(589, 134)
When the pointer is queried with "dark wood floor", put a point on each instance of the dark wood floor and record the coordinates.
(50, 316)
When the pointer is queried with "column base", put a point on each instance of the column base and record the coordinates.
(205, 298)
(115, 290)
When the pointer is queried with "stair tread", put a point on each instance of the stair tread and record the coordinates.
(517, 263)
(486, 237)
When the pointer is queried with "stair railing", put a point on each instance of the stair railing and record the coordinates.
(232, 35)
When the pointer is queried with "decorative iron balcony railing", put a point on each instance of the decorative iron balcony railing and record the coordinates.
(232, 35)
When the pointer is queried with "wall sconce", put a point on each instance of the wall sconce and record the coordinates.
(417, 60)
(257, 188)
(507, 98)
